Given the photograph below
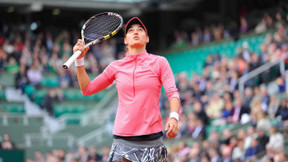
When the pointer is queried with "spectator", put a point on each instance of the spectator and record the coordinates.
(48, 102)
(21, 78)
(239, 151)
(279, 21)
(205, 157)
(262, 138)
(281, 82)
(283, 111)
(276, 139)
(201, 114)
(71, 155)
(262, 121)
(7, 144)
(214, 155)
(34, 74)
(215, 106)
(261, 27)
(105, 156)
(93, 155)
(244, 25)
(227, 112)
(226, 136)
(250, 135)
(226, 154)
(253, 150)
(82, 154)
(39, 157)
(273, 107)
(183, 149)
(199, 131)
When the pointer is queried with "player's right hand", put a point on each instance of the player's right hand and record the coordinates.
(80, 46)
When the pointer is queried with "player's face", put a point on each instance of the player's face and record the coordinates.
(136, 36)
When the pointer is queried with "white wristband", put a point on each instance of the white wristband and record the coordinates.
(79, 62)
(174, 115)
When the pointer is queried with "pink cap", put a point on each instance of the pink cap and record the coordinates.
(134, 20)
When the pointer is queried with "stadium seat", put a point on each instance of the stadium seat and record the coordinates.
(7, 79)
(13, 107)
(50, 80)
(192, 60)
(71, 108)
(2, 95)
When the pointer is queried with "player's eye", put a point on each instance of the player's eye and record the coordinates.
(130, 30)
(140, 29)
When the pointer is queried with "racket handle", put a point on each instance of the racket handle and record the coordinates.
(72, 59)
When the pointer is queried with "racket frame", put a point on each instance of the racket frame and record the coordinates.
(75, 55)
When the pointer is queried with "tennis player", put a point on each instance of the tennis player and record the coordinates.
(139, 76)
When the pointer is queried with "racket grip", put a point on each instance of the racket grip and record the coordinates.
(72, 59)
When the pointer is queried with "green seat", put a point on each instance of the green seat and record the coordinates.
(73, 94)
(71, 108)
(192, 60)
(2, 95)
(39, 95)
(29, 90)
(7, 79)
(50, 80)
(15, 108)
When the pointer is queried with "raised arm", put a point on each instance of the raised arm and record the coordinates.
(99, 83)
(82, 76)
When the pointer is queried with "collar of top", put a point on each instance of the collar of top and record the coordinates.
(136, 56)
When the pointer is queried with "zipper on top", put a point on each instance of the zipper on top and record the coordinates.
(134, 77)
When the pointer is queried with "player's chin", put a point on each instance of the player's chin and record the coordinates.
(137, 44)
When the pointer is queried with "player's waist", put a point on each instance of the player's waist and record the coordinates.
(148, 137)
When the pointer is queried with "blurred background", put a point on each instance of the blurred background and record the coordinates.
(229, 59)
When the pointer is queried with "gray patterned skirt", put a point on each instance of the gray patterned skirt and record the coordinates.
(138, 151)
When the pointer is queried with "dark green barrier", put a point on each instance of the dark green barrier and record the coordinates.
(12, 156)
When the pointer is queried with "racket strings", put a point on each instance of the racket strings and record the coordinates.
(100, 27)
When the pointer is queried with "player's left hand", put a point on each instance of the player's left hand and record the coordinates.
(171, 128)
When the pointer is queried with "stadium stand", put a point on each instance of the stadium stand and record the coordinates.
(216, 119)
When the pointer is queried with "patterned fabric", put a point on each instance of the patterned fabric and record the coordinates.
(137, 153)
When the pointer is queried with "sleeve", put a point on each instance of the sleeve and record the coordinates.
(167, 79)
(101, 82)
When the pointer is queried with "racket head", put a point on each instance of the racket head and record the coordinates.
(101, 27)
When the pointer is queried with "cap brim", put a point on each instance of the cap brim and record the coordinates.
(134, 20)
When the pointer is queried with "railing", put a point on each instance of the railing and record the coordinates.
(87, 117)
(48, 139)
(242, 80)
(97, 115)
(25, 118)
(93, 115)
(95, 135)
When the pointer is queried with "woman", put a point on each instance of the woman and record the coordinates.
(139, 76)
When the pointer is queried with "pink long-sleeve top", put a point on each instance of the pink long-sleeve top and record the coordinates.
(138, 81)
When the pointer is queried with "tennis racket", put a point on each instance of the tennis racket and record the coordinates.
(98, 28)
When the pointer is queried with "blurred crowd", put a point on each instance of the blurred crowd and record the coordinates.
(213, 99)
(210, 99)
(220, 31)
(80, 154)
(32, 56)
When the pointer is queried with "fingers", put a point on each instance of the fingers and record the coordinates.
(172, 128)
(167, 126)
(78, 46)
